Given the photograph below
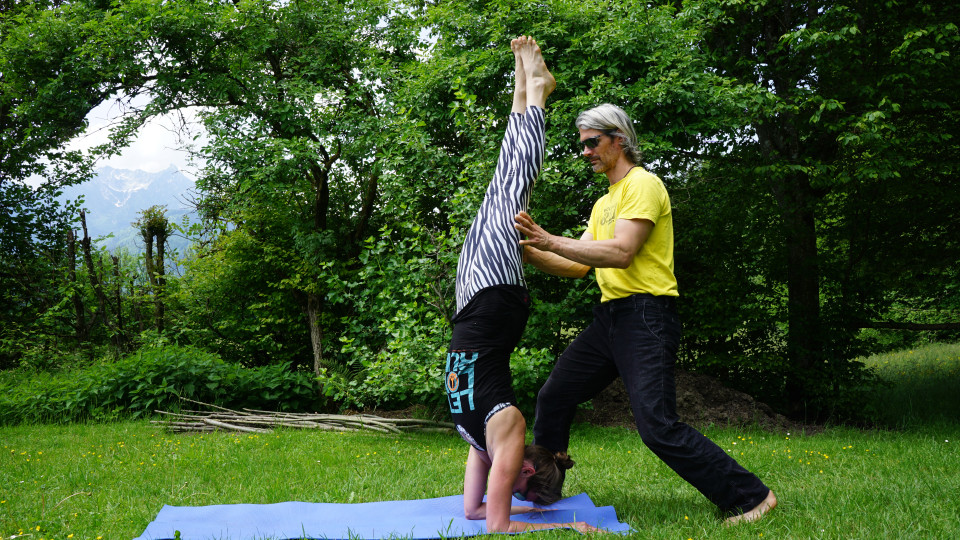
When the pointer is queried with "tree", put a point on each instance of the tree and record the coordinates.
(638, 58)
(155, 228)
(770, 122)
(809, 149)
(49, 81)
(294, 106)
(836, 96)
(230, 300)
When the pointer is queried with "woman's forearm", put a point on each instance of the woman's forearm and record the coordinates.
(554, 264)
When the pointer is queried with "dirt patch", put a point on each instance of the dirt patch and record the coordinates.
(701, 401)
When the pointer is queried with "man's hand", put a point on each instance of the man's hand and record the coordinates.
(536, 235)
(540, 249)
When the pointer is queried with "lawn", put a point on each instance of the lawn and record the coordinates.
(924, 385)
(108, 481)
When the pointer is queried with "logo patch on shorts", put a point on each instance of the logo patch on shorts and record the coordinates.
(459, 380)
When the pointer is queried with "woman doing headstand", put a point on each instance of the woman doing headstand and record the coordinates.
(492, 311)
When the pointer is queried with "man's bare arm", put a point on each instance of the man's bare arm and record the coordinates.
(617, 252)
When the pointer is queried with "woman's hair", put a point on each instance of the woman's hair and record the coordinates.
(608, 118)
(550, 468)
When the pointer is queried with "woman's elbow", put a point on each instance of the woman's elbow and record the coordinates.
(580, 271)
(473, 513)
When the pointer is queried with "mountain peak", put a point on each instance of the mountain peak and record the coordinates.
(122, 180)
(114, 198)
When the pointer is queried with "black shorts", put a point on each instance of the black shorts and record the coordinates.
(477, 375)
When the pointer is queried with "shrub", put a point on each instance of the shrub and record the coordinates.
(530, 369)
(155, 378)
(407, 370)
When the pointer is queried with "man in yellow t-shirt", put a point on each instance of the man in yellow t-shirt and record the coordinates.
(638, 196)
(635, 331)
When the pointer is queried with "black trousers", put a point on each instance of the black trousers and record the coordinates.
(636, 338)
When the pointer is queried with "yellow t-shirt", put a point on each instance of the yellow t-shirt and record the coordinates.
(640, 195)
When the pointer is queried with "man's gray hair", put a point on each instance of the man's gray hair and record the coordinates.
(609, 117)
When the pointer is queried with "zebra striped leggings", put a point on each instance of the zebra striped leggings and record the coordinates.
(491, 254)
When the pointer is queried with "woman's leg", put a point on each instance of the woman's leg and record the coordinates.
(539, 83)
(491, 253)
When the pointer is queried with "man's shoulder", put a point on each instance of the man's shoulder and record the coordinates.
(639, 174)
(643, 181)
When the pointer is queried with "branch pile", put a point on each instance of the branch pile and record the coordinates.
(254, 421)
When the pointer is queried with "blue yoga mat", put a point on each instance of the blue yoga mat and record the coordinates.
(423, 518)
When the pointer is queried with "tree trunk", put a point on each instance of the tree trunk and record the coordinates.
(136, 313)
(805, 342)
(155, 272)
(80, 324)
(148, 261)
(160, 267)
(118, 299)
(314, 311)
(780, 142)
(319, 179)
(95, 282)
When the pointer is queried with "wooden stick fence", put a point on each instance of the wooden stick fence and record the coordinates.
(254, 421)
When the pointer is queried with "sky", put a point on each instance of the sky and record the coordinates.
(155, 149)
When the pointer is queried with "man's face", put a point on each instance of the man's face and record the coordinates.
(605, 154)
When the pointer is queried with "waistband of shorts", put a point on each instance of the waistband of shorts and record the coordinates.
(514, 294)
(634, 299)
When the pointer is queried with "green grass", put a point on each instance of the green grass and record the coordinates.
(89, 481)
(923, 385)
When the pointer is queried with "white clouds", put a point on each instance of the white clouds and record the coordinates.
(158, 145)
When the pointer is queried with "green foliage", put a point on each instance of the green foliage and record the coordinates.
(294, 106)
(843, 130)
(530, 368)
(809, 148)
(393, 342)
(48, 84)
(42, 104)
(153, 378)
(81, 308)
(231, 301)
(406, 370)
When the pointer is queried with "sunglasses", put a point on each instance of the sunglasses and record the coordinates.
(592, 142)
(519, 495)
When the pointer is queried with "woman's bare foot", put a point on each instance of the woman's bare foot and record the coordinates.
(520, 80)
(540, 82)
(755, 513)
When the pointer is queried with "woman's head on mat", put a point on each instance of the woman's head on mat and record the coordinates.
(544, 472)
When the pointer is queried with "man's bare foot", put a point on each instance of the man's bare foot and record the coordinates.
(540, 82)
(756, 513)
(520, 80)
